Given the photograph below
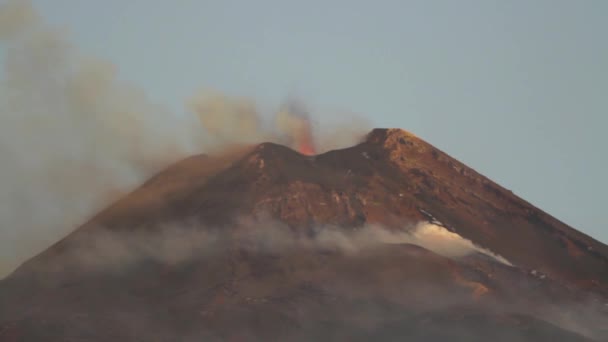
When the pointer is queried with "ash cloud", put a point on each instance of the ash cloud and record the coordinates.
(238, 120)
(74, 136)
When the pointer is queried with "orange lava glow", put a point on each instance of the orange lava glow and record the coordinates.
(307, 149)
(305, 142)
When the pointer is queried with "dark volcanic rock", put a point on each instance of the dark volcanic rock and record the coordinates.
(115, 278)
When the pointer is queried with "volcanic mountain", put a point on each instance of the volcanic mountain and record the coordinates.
(390, 239)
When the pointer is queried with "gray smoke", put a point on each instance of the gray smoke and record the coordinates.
(74, 136)
(100, 251)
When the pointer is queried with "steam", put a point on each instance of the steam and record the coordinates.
(446, 243)
(74, 136)
(100, 249)
(427, 235)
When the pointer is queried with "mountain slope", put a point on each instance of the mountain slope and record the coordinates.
(267, 235)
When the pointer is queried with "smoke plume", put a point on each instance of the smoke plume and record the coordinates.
(74, 136)
(237, 120)
(105, 250)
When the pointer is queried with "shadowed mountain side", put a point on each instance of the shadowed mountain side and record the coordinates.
(242, 290)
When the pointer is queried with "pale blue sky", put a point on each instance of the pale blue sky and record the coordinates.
(515, 89)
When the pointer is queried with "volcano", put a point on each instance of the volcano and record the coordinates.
(390, 239)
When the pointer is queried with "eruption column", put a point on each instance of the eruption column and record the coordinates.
(296, 121)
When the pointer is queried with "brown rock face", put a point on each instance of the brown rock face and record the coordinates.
(265, 243)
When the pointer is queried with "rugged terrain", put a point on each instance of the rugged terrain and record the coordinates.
(265, 243)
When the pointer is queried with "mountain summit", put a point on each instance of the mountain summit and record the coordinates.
(388, 239)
